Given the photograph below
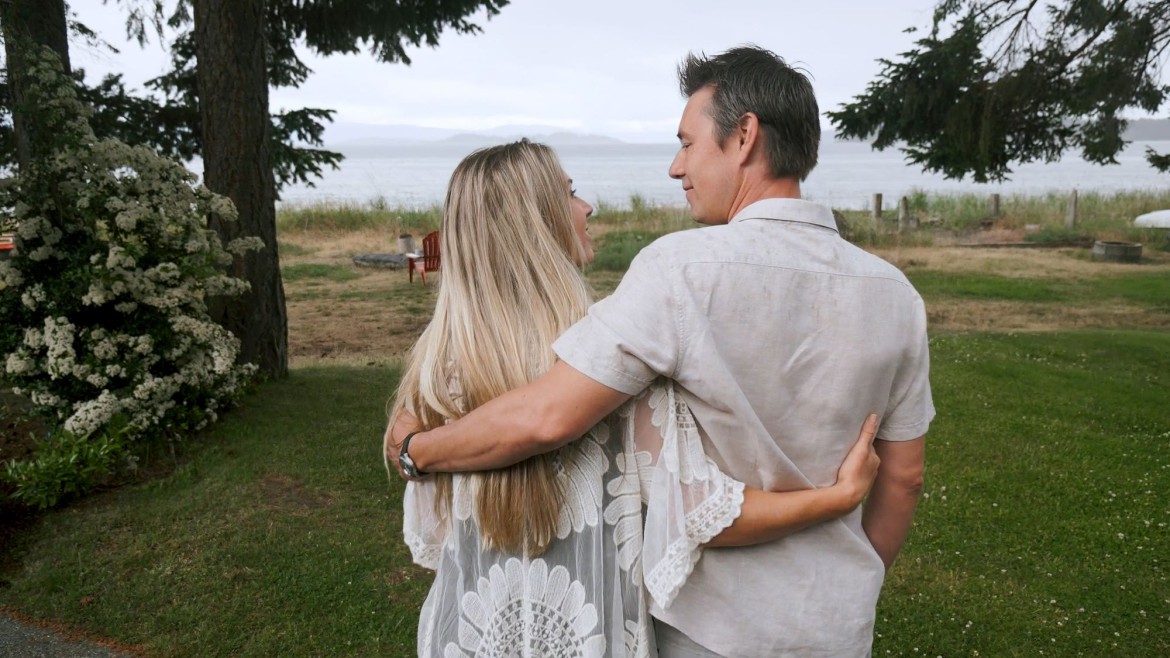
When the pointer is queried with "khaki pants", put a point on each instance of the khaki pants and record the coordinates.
(673, 643)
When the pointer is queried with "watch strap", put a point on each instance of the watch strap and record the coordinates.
(404, 460)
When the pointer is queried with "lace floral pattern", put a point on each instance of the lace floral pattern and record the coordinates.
(527, 609)
(624, 511)
(582, 473)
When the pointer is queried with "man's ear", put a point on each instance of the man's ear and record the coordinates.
(747, 134)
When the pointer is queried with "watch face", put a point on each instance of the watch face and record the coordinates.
(407, 464)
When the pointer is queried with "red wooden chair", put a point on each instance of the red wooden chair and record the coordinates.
(428, 260)
(6, 245)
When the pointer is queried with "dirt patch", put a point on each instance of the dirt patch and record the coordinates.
(984, 315)
(340, 247)
(1059, 263)
(405, 574)
(380, 315)
(286, 494)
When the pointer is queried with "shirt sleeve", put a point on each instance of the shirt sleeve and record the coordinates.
(688, 499)
(422, 529)
(911, 404)
(628, 339)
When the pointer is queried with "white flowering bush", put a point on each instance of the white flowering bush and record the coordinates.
(105, 326)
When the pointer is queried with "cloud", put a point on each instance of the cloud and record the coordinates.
(605, 66)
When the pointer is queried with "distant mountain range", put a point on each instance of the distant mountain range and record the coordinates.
(1148, 130)
(341, 135)
(552, 139)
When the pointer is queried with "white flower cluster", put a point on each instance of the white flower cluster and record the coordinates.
(106, 319)
(10, 277)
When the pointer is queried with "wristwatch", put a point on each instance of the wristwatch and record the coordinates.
(404, 460)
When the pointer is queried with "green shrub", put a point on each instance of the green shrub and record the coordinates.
(65, 465)
(106, 328)
(617, 249)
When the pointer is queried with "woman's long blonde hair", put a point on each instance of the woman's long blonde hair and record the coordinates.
(509, 287)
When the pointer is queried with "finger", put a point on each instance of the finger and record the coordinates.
(387, 445)
(869, 429)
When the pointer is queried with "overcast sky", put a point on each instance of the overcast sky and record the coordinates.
(590, 66)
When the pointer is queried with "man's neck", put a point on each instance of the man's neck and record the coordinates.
(772, 188)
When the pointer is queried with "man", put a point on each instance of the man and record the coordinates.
(778, 332)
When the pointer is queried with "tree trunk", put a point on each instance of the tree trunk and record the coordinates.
(27, 24)
(237, 162)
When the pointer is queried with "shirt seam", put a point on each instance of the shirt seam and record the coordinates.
(882, 277)
(679, 323)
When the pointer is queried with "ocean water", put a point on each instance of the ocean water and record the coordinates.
(847, 176)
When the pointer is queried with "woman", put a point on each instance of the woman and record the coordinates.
(554, 556)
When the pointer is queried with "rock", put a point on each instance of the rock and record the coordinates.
(383, 261)
(1118, 252)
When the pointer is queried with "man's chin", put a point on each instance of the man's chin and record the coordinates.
(706, 220)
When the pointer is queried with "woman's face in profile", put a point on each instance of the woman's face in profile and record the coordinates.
(581, 210)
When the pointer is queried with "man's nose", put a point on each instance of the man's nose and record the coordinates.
(676, 169)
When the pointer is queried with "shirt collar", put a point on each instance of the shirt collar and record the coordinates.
(790, 210)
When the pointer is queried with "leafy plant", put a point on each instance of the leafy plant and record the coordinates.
(66, 465)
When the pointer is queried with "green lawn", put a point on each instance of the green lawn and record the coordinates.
(1043, 530)
(1150, 289)
(304, 271)
(1045, 523)
(279, 535)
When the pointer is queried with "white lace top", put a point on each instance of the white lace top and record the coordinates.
(641, 499)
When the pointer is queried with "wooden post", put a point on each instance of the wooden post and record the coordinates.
(877, 205)
(903, 214)
(406, 244)
(995, 205)
(1070, 220)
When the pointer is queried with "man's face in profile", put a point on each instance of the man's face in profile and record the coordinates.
(708, 172)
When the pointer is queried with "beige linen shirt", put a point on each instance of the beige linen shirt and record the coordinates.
(782, 336)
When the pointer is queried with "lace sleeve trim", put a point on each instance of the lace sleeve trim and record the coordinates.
(424, 555)
(703, 523)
